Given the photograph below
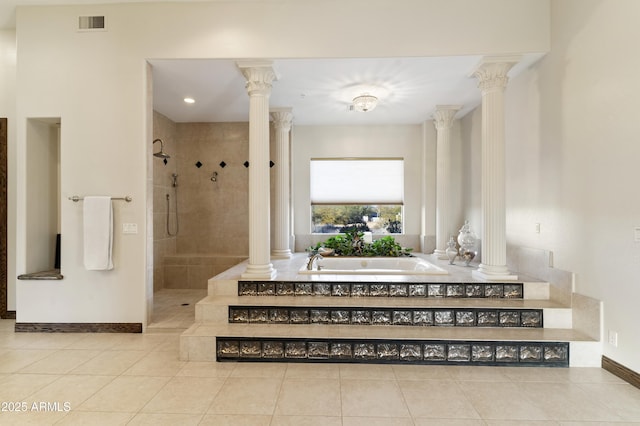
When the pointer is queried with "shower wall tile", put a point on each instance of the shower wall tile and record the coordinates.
(213, 215)
(164, 129)
(175, 276)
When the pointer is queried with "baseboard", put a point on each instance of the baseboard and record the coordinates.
(621, 371)
(84, 327)
(9, 315)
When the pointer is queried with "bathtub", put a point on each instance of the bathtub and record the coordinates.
(373, 266)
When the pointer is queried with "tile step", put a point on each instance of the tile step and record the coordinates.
(216, 309)
(525, 290)
(198, 343)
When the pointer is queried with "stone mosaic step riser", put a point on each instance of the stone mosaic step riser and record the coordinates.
(495, 353)
(377, 289)
(529, 318)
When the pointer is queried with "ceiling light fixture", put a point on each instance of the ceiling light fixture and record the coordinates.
(365, 102)
(189, 100)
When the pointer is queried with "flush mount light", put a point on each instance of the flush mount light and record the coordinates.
(365, 102)
(189, 100)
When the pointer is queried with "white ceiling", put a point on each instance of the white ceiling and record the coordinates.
(318, 90)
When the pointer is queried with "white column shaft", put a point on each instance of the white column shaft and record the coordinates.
(443, 121)
(492, 77)
(259, 79)
(282, 124)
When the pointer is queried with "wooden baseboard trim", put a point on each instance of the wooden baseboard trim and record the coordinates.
(621, 371)
(9, 315)
(84, 327)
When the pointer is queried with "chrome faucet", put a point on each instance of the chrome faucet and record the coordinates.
(313, 257)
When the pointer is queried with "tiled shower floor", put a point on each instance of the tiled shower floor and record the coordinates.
(175, 308)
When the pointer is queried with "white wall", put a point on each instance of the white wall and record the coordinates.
(97, 83)
(8, 110)
(572, 127)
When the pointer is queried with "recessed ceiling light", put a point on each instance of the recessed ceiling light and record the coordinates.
(189, 100)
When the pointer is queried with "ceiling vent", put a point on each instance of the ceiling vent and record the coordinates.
(91, 23)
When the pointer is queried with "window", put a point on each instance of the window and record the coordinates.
(365, 193)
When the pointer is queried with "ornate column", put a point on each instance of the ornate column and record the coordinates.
(282, 118)
(259, 77)
(443, 121)
(492, 81)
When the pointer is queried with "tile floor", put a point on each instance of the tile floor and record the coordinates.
(134, 379)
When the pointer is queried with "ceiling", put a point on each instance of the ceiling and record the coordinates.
(319, 91)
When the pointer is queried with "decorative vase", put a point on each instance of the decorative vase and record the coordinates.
(467, 242)
(451, 250)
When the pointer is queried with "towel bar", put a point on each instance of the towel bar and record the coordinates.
(76, 198)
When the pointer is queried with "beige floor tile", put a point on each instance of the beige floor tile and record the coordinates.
(312, 371)
(507, 402)
(421, 372)
(437, 399)
(561, 401)
(305, 421)
(99, 418)
(125, 394)
(158, 419)
(376, 421)
(31, 417)
(95, 341)
(534, 374)
(18, 387)
(207, 369)
(592, 375)
(478, 373)
(70, 390)
(375, 398)
(622, 399)
(367, 371)
(60, 362)
(19, 358)
(315, 397)
(539, 423)
(247, 395)
(138, 341)
(256, 369)
(235, 420)
(110, 363)
(53, 340)
(156, 364)
(185, 395)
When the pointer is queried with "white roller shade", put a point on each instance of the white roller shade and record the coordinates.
(357, 181)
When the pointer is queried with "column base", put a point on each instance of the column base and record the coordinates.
(493, 273)
(440, 254)
(259, 272)
(281, 254)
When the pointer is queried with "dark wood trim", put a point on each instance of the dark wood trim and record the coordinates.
(3, 219)
(9, 315)
(78, 327)
(621, 371)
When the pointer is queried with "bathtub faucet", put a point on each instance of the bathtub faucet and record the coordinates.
(313, 257)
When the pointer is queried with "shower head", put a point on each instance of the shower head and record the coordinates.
(161, 154)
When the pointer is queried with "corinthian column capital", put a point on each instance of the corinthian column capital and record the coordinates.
(492, 73)
(259, 76)
(282, 118)
(444, 115)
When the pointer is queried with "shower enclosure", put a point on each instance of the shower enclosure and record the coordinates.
(200, 201)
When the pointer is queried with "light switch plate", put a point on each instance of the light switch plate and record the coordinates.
(129, 228)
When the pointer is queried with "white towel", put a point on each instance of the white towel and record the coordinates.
(98, 233)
